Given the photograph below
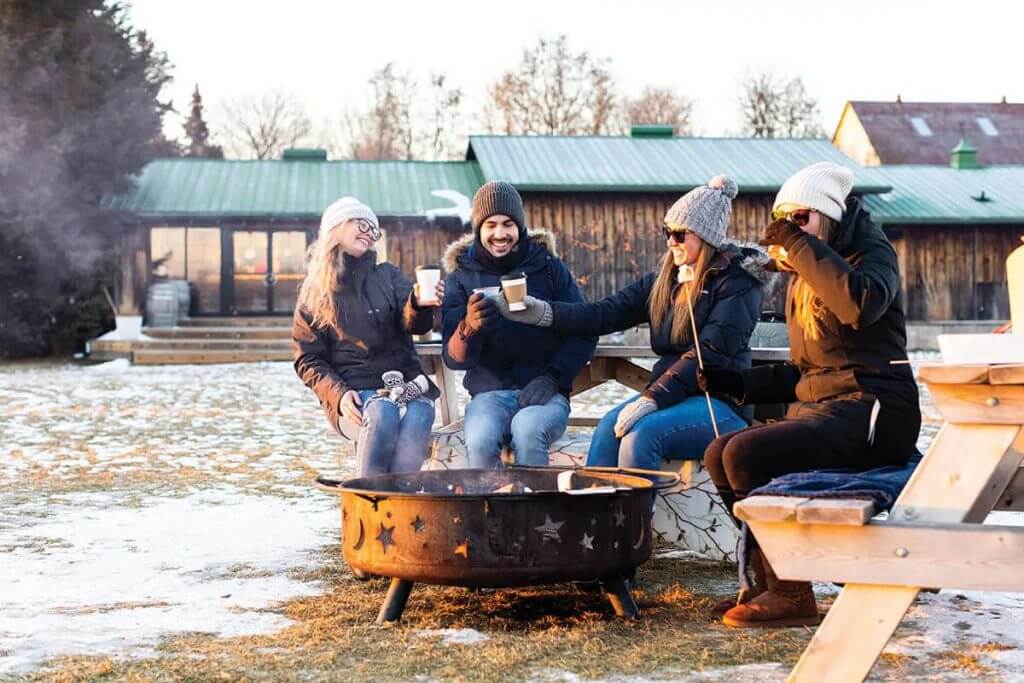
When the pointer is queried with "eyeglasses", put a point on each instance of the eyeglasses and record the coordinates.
(798, 216)
(368, 228)
(677, 234)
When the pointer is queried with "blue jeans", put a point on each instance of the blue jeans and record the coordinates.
(390, 441)
(493, 416)
(680, 432)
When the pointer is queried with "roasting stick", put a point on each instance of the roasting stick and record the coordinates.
(686, 276)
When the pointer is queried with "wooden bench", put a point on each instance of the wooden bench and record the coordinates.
(933, 535)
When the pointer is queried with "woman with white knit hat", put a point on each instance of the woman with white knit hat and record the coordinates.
(352, 325)
(850, 405)
(722, 286)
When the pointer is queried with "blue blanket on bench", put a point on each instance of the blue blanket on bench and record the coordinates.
(882, 485)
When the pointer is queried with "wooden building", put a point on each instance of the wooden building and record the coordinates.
(884, 133)
(237, 230)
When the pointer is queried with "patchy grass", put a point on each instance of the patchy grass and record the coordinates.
(529, 630)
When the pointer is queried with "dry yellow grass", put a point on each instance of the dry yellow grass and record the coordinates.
(530, 631)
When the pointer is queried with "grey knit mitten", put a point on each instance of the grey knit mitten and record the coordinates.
(538, 312)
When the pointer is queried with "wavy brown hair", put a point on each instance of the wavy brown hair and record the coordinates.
(808, 308)
(661, 299)
(318, 293)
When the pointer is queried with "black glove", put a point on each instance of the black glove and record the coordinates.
(783, 233)
(721, 381)
(538, 391)
(480, 312)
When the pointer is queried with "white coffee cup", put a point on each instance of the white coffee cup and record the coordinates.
(514, 287)
(488, 291)
(427, 278)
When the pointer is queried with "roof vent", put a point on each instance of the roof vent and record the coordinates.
(304, 154)
(651, 130)
(981, 197)
(963, 156)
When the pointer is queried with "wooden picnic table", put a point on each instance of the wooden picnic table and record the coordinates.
(933, 536)
(610, 362)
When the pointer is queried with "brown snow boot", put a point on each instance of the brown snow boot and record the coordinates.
(759, 585)
(785, 603)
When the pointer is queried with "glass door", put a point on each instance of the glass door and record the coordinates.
(252, 278)
(288, 255)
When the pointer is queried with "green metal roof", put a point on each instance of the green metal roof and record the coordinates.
(629, 164)
(218, 188)
(940, 194)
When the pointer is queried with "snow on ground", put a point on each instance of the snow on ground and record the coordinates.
(140, 502)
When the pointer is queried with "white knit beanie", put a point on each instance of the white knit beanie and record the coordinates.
(343, 210)
(823, 187)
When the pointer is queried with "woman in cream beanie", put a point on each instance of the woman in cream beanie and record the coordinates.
(850, 406)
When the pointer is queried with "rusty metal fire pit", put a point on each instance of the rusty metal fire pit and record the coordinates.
(499, 528)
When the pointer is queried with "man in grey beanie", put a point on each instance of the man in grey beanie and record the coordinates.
(519, 377)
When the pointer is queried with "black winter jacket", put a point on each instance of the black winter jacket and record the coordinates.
(726, 312)
(508, 355)
(378, 317)
(857, 277)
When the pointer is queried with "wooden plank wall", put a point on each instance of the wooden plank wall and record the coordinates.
(945, 279)
(611, 239)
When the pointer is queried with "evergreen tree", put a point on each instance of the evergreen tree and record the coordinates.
(198, 133)
(79, 115)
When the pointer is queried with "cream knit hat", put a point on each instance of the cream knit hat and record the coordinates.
(823, 187)
(344, 209)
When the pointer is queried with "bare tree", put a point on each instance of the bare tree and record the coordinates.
(554, 91)
(263, 126)
(445, 118)
(771, 107)
(384, 128)
(661, 105)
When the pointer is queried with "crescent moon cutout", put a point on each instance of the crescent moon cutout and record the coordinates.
(362, 537)
(640, 541)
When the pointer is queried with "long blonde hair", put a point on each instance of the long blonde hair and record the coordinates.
(807, 307)
(318, 293)
(660, 300)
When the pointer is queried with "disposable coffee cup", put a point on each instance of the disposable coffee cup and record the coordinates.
(514, 286)
(427, 278)
(488, 291)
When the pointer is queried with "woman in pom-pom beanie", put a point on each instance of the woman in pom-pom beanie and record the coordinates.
(670, 418)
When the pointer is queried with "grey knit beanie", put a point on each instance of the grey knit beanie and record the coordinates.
(823, 187)
(498, 197)
(705, 210)
(344, 209)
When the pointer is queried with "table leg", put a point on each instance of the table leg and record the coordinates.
(449, 390)
(964, 462)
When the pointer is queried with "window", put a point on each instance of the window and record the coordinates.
(987, 127)
(921, 126)
(167, 253)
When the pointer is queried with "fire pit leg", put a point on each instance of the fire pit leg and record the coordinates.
(622, 600)
(394, 603)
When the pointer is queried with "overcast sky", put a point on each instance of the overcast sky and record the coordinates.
(324, 51)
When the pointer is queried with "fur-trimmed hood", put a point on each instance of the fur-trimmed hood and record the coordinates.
(457, 249)
(750, 257)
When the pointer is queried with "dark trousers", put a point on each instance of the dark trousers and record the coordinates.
(812, 436)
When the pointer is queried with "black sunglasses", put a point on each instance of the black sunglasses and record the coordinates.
(677, 234)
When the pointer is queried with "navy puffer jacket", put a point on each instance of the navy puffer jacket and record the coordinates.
(725, 312)
(508, 355)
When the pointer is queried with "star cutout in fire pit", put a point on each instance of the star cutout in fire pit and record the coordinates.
(549, 529)
(620, 518)
(587, 541)
(418, 524)
(385, 537)
(463, 549)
